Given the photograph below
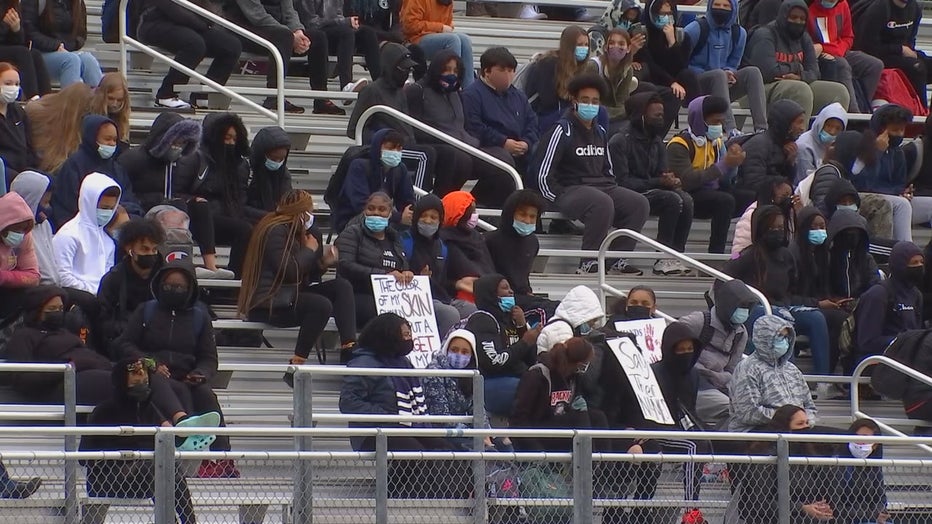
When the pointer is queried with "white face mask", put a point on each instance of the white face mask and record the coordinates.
(9, 94)
(857, 167)
(860, 450)
(309, 221)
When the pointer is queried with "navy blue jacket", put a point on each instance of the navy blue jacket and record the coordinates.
(367, 395)
(493, 117)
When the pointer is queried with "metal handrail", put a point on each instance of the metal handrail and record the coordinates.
(856, 386)
(605, 288)
(278, 115)
(421, 126)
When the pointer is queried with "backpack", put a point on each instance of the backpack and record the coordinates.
(335, 185)
(504, 482)
(547, 481)
(110, 24)
(847, 338)
(704, 29)
(894, 88)
(889, 382)
(201, 317)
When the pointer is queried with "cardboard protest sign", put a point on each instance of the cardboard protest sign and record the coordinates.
(414, 302)
(649, 333)
(642, 379)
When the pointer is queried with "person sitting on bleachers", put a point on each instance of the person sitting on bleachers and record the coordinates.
(640, 304)
(95, 155)
(578, 314)
(378, 21)
(282, 278)
(514, 247)
(59, 32)
(342, 38)
(812, 146)
(773, 152)
(832, 32)
(852, 268)
(28, 61)
(716, 58)
(698, 158)
(129, 283)
(17, 489)
(111, 99)
(429, 24)
(35, 188)
(15, 138)
(772, 191)
(174, 328)
(382, 171)
(19, 266)
(427, 255)
(723, 349)
(767, 379)
(863, 491)
(616, 66)
(192, 38)
(574, 172)
(783, 52)
(623, 14)
(271, 179)
(371, 246)
(664, 58)
(887, 30)
(152, 163)
(213, 183)
(468, 257)
(498, 114)
(639, 161)
(840, 158)
(505, 342)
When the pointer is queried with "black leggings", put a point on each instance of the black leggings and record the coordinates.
(493, 185)
(340, 294)
(365, 308)
(834, 319)
(311, 312)
(720, 207)
(201, 399)
(209, 228)
(33, 76)
(367, 44)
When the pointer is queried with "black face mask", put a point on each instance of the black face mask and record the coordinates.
(785, 205)
(146, 261)
(795, 30)
(773, 240)
(229, 151)
(680, 364)
(895, 141)
(848, 239)
(915, 275)
(637, 312)
(654, 126)
(139, 392)
(400, 76)
(174, 298)
(720, 16)
(53, 321)
(405, 347)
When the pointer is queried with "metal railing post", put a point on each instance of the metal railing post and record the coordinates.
(381, 478)
(783, 481)
(582, 479)
(481, 509)
(304, 471)
(164, 478)
(71, 444)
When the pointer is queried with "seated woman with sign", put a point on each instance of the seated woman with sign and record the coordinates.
(284, 255)
(505, 344)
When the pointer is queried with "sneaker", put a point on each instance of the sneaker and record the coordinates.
(587, 267)
(172, 103)
(354, 87)
(622, 267)
(530, 12)
(289, 107)
(684, 269)
(346, 352)
(218, 469)
(223, 274)
(822, 391)
(204, 273)
(327, 108)
(21, 490)
(666, 266)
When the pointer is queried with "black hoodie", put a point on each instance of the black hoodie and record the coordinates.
(385, 91)
(884, 28)
(422, 251)
(826, 177)
(436, 107)
(772, 50)
(764, 150)
(512, 253)
(638, 157)
(852, 269)
(839, 189)
(121, 291)
(811, 260)
(678, 384)
(890, 307)
(663, 62)
(182, 339)
(499, 348)
(267, 187)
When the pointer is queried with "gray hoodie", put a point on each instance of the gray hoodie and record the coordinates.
(32, 186)
(764, 382)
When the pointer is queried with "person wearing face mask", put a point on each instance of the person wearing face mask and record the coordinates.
(19, 267)
(129, 283)
(862, 489)
(723, 339)
(812, 146)
(16, 147)
(268, 158)
(773, 152)
(852, 268)
(468, 256)
(95, 155)
(151, 164)
(578, 314)
(774, 191)
(890, 307)
(767, 380)
(35, 188)
(666, 58)
(842, 195)
(639, 161)
(575, 172)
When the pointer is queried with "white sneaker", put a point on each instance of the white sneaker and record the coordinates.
(822, 391)
(223, 274)
(172, 103)
(203, 273)
(666, 266)
(354, 87)
(684, 269)
(529, 12)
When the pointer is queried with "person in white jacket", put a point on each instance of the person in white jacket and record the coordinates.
(578, 313)
(83, 248)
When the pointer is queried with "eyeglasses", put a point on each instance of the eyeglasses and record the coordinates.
(147, 364)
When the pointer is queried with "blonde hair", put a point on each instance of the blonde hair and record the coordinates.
(98, 104)
(55, 121)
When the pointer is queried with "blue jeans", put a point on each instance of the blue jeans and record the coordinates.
(72, 67)
(458, 42)
(500, 395)
(806, 321)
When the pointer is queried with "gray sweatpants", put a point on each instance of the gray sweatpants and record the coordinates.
(854, 65)
(812, 97)
(601, 208)
(748, 83)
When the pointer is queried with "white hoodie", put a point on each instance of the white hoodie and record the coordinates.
(580, 305)
(84, 251)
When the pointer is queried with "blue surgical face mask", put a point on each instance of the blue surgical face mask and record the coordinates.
(105, 151)
(624, 23)
(376, 224)
(714, 131)
(781, 345)
(740, 316)
(581, 52)
(506, 303)
(587, 111)
(14, 238)
(817, 237)
(458, 361)
(585, 329)
(524, 229)
(849, 207)
(663, 20)
(272, 165)
(825, 137)
(104, 216)
(391, 158)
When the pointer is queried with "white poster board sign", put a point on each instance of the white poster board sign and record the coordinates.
(642, 379)
(649, 333)
(413, 302)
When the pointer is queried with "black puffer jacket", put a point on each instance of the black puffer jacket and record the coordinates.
(182, 339)
(638, 157)
(121, 291)
(267, 187)
(825, 178)
(422, 252)
(431, 104)
(851, 269)
(59, 24)
(764, 150)
(499, 348)
(362, 255)
(840, 188)
(300, 266)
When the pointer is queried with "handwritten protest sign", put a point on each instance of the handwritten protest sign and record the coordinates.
(642, 379)
(414, 302)
(649, 333)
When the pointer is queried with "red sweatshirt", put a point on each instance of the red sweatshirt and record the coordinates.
(831, 27)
